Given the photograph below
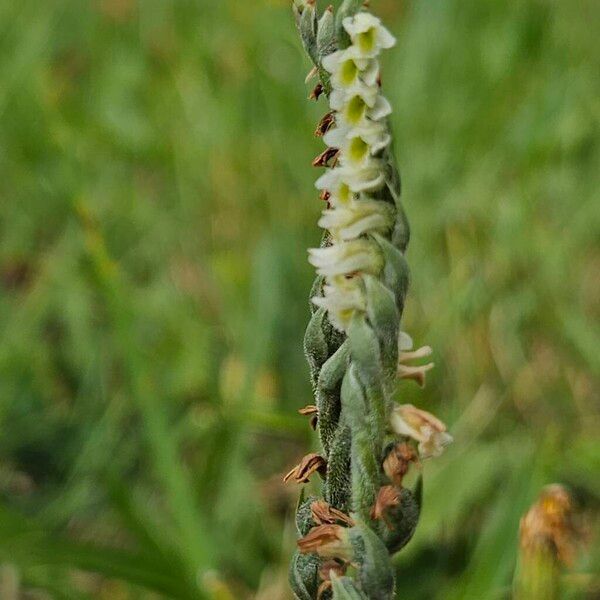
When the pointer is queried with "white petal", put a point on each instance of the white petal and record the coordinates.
(332, 61)
(405, 342)
(382, 108)
(384, 38)
(359, 23)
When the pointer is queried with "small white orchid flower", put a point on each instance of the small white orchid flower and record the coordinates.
(421, 426)
(342, 297)
(366, 177)
(406, 353)
(345, 258)
(349, 69)
(357, 218)
(367, 34)
(335, 182)
(344, 181)
(358, 103)
(358, 143)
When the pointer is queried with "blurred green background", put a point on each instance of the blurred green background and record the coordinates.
(156, 203)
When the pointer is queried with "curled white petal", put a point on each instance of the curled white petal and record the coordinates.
(346, 258)
(357, 218)
(349, 69)
(342, 298)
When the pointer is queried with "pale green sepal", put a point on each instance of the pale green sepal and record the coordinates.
(376, 573)
(337, 489)
(316, 348)
(384, 317)
(344, 588)
(304, 576)
(326, 34)
(328, 394)
(396, 271)
(308, 31)
(364, 349)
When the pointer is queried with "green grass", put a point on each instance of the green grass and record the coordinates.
(156, 203)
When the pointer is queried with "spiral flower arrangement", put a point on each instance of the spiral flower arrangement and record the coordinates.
(354, 345)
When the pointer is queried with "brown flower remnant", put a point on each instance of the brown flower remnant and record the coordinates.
(338, 568)
(325, 514)
(327, 156)
(550, 525)
(310, 464)
(397, 462)
(387, 498)
(328, 541)
(316, 93)
(325, 124)
(312, 412)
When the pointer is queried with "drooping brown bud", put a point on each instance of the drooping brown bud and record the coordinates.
(310, 464)
(325, 195)
(316, 93)
(325, 124)
(387, 498)
(397, 462)
(323, 160)
(328, 541)
(325, 514)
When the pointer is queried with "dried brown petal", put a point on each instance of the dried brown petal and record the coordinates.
(325, 124)
(310, 464)
(316, 93)
(323, 513)
(327, 156)
(328, 541)
(550, 524)
(387, 498)
(398, 460)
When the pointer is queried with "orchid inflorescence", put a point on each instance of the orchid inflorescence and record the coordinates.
(356, 350)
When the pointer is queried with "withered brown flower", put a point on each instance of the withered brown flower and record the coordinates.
(325, 124)
(316, 93)
(310, 464)
(328, 541)
(325, 514)
(550, 525)
(388, 497)
(327, 158)
(398, 460)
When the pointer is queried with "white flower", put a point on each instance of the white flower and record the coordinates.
(357, 143)
(343, 181)
(357, 218)
(421, 426)
(342, 297)
(335, 182)
(367, 34)
(349, 69)
(358, 103)
(347, 258)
